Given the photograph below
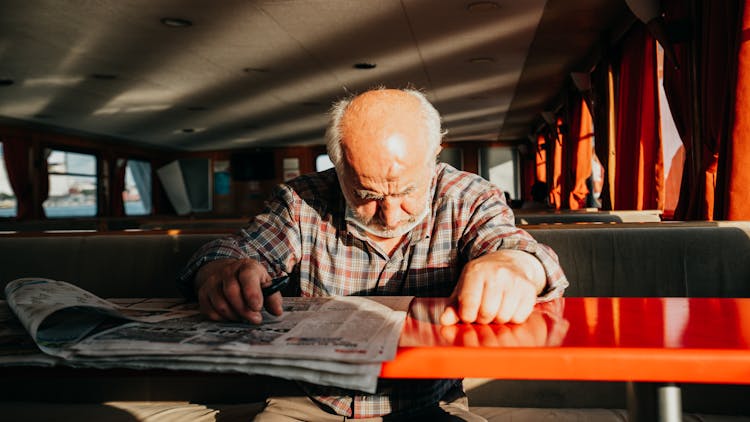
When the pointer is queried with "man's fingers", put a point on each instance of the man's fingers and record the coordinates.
(251, 277)
(508, 306)
(492, 298)
(274, 304)
(469, 298)
(450, 315)
(232, 293)
(220, 306)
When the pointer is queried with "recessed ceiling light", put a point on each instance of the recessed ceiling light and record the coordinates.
(188, 130)
(197, 108)
(482, 6)
(364, 66)
(481, 60)
(104, 76)
(6, 82)
(176, 22)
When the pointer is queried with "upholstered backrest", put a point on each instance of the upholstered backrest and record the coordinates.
(655, 260)
(600, 260)
(132, 265)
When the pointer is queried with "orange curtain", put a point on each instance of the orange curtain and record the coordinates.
(738, 149)
(639, 173)
(557, 174)
(541, 158)
(582, 137)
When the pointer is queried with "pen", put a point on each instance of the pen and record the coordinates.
(276, 285)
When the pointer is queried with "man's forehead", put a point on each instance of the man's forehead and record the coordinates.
(385, 185)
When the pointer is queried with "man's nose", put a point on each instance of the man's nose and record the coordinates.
(391, 213)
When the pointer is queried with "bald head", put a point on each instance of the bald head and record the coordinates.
(384, 128)
(389, 124)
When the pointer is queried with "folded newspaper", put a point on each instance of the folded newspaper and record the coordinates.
(336, 341)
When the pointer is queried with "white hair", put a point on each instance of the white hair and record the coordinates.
(430, 116)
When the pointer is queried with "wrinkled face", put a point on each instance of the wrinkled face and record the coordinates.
(388, 163)
(391, 210)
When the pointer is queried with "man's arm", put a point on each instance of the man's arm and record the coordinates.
(507, 271)
(227, 274)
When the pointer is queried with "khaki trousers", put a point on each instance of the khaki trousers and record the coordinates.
(287, 403)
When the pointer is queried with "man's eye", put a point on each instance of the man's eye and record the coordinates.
(366, 196)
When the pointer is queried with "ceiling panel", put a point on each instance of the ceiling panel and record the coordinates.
(249, 73)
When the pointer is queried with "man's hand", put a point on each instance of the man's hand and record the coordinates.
(500, 287)
(230, 289)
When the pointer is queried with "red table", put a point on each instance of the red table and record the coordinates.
(704, 340)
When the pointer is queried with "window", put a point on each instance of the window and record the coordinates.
(8, 204)
(499, 165)
(72, 184)
(453, 156)
(323, 162)
(137, 193)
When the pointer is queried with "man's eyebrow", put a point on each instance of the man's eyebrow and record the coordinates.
(368, 194)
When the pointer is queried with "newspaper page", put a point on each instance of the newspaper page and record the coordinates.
(57, 314)
(16, 346)
(342, 328)
(336, 341)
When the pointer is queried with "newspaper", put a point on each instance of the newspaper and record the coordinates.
(16, 346)
(336, 341)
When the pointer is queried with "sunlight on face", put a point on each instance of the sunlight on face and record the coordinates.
(388, 215)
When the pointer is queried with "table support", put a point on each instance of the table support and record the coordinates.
(654, 402)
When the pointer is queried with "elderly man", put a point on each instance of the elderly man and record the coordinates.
(387, 220)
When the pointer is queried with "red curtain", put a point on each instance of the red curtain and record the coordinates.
(528, 176)
(639, 173)
(17, 158)
(737, 195)
(581, 147)
(603, 111)
(718, 66)
(703, 114)
(680, 96)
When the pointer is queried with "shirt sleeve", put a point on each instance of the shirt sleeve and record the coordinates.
(491, 227)
(271, 238)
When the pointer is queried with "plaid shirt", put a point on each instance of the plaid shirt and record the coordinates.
(303, 233)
